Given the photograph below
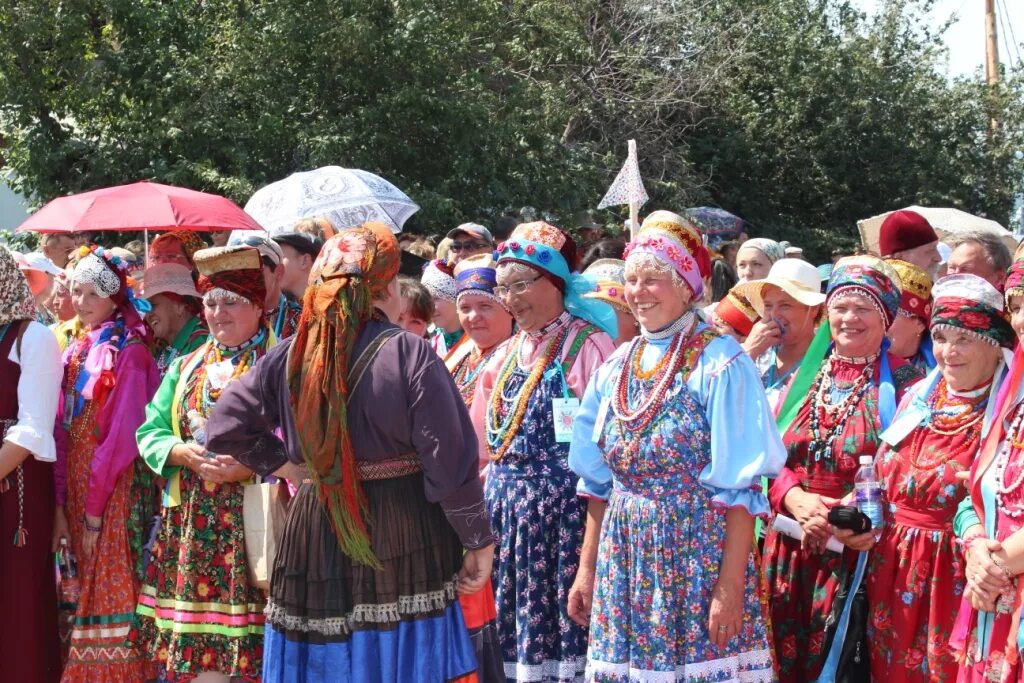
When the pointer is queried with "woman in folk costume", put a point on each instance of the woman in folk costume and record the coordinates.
(109, 376)
(836, 406)
(915, 575)
(523, 410)
(672, 479)
(198, 612)
(176, 319)
(608, 276)
(30, 372)
(908, 334)
(447, 337)
(487, 324)
(988, 637)
(389, 522)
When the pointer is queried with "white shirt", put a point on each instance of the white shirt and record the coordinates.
(38, 391)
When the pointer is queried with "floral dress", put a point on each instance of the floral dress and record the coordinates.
(801, 585)
(531, 495)
(916, 572)
(197, 610)
(664, 529)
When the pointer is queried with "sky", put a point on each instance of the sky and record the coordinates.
(966, 37)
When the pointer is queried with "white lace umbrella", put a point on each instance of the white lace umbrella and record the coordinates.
(947, 222)
(347, 197)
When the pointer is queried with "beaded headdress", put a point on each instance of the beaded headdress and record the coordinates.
(476, 276)
(544, 248)
(916, 299)
(439, 281)
(971, 304)
(676, 242)
(871, 277)
(1014, 285)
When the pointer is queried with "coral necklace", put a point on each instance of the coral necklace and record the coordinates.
(500, 428)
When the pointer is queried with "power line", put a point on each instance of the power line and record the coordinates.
(1007, 29)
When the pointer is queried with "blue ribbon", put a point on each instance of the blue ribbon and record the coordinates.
(549, 259)
(828, 671)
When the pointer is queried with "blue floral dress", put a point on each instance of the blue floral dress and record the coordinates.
(664, 530)
(531, 495)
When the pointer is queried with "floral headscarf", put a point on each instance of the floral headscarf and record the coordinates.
(971, 304)
(353, 268)
(17, 302)
(190, 243)
(770, 248)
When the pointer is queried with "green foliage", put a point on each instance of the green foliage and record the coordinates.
(799, 115)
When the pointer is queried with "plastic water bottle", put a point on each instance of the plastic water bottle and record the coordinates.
(197, 425)
(869, 493)
(70, 589)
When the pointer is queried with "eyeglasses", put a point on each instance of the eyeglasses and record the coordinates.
(459, 246)
(517, 288)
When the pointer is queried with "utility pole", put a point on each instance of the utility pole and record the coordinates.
(991, 56)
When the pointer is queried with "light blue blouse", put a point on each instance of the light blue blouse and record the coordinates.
(745, 443)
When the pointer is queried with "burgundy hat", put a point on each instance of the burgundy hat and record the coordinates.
(902, 230)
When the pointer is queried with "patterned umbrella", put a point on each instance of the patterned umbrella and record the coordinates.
(718, 224)
(347, 197)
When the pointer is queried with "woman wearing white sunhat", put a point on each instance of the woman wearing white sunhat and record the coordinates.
(789, 301)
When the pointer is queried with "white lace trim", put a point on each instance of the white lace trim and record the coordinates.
(386, 613)
(746, 667)
(93, 270)
(532, 673)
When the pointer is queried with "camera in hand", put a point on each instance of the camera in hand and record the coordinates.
(849, 517)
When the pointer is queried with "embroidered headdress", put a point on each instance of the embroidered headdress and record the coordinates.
(971, 304)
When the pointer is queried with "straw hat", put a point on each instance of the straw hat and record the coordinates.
(168, 277)
(795, 277)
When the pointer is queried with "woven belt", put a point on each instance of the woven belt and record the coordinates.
(392, 468)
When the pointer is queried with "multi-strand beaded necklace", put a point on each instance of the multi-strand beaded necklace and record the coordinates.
(834, 417)
(468, 370)
(242, 357)
(1011, 508)
(950, 414)
(505, 413)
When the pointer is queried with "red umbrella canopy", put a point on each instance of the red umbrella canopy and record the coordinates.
(140, 206)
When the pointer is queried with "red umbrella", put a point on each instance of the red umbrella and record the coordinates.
(140, 206)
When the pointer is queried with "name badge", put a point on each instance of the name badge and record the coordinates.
(564, 412)
(904, 424)
(220, 373)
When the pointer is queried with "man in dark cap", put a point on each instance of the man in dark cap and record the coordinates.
(908, 236)
(300, 250)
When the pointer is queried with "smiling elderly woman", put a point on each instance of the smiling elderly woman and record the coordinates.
(670, 476)
(916, 574)
(833, 411)
(199, 555)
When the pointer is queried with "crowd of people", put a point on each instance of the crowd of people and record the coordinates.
(511, 458)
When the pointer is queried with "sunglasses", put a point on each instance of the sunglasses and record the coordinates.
(470, 244)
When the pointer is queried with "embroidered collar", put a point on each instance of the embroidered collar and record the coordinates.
(857, 360)
(559, 322)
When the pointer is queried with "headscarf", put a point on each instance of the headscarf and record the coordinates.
(439, 281)
(236, 270)
(18, 302)
(549, 251)
(476, 276)
(971, 304)
(190, 241)
(869, 276)
(916, 286)
(770, 248)
(354, 268)
(609, 278)
(676, 242)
